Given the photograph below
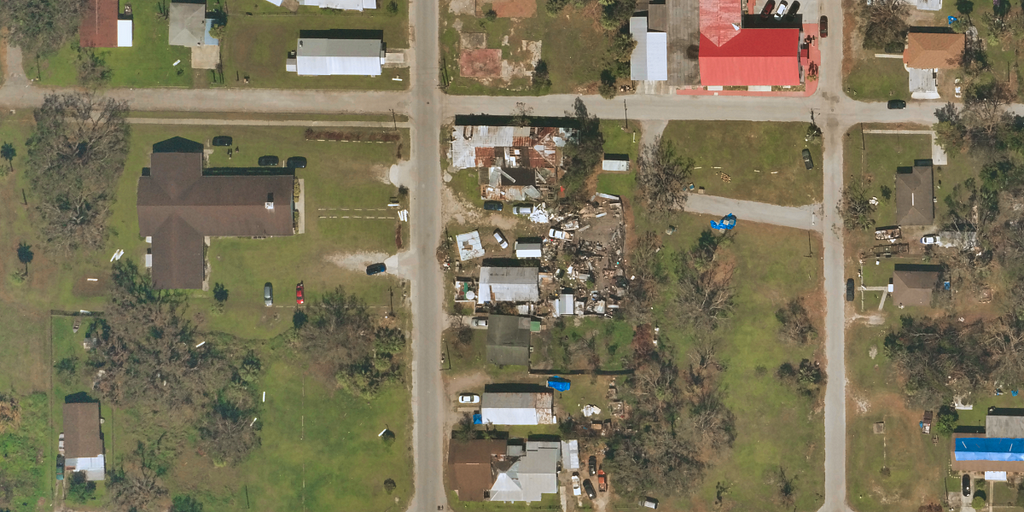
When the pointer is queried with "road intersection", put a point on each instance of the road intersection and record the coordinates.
(427, 108)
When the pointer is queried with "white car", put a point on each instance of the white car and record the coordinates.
(576, 485)
(522, 209)
(479, 322)
(557, 233)
(500, 237)
(781, 11)
(469, 398)
(929, 239)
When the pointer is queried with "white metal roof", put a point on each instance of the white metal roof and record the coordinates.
(348, 5)
(650, 57)
(528, 250)
(615, 165)
(571, 454)
(124, 33)
(469, 245)
(512, 284)
(275, 2)
(321, 56)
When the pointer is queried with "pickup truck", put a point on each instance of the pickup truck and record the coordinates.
(602, 481)
(576, 485)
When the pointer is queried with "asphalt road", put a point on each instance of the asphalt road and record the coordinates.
(428, 108)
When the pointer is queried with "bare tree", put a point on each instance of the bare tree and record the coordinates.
(885, 24)
(855, 206)
(797, 327)
(663, 177)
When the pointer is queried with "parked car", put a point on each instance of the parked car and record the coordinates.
(592, 465)
(929, 239)
(823, 27)
(494, 206)
(60, 467)
(966, 482)
(808, 163)
(557, 233)
(500, 237)
(269, 161)
(268, 294)
(296, 162)
(376, 268)
(849, 290)
(479, 322)
(589, 487)
(576, 484)
(781, 10)
(299, 289)
(469, 398)
(793, 10)
(648, 502)
(522, 209)
(602, 481)
(222, 141)
(767, 10)
(896, 104)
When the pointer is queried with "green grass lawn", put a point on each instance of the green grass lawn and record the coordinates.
(547, 502)
(574, 48)
(768, 169)
(612, 339)
(148, 63)
(774, 425)
(877, 156)
(257, 46)
(874, 79)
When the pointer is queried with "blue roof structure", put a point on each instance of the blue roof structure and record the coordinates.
(994, 449)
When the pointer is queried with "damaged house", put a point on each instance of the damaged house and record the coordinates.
(507, 146)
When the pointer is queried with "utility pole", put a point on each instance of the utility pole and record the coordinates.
(394, 120)
(624, 114)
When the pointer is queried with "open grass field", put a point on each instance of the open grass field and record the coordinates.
(775, 426)
(148, 63)
(769, 168)
(618, 139)
(874, 79)
(257, 46)
(574, 48)
(337, 426)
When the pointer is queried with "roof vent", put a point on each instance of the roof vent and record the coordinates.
(300, 43)
(270, 202)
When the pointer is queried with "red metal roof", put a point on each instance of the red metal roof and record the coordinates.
(753, 57)
(99, 24)
(717, 18)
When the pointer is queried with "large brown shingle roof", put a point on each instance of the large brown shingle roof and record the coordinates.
(178, 206)
(82, 430)
(927, 50)
(470, 462)
(99, 24)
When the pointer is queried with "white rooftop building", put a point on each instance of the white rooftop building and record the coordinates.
(535, 408)
(124, 33)
(509, 284)
(316, 56)
(650, 57)
(469, 246)
(528, 249)
(347, 5)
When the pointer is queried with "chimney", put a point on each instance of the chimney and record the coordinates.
(270, 202)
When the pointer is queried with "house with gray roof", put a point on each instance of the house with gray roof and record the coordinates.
(912, 285)
(914, 195)
(508, 340)
(509, 284)
(534, 473)
(338, 52)
(187, 23)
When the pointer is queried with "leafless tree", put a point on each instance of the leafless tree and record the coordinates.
(797, 327)
(645, 266)
(855, 206)
(663, 177)
(885, 24)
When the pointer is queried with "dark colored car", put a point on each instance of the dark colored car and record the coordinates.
(299, 292)
(793, 10)
(849, 290)
(823, 27)
(808, 163)
(896, 104)
(376, 268)
(494, 206)
(589, 487)
(967, 485)
(592, 465)
(269, 161)
(767, 10)
(222, 140)
(60, 467)
(296, 162)
(268, 295)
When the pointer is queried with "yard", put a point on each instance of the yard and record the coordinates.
(351, 175)
(573, 45)
(875, 79)
(768, 169)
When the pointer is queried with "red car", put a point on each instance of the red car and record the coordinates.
(767, 10)
(823, 27)
(298, 294)
(602, 481)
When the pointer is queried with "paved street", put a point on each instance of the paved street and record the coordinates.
(427, 108)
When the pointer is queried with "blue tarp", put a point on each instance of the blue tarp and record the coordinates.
(478, 419)
(558, 383)
(727, 222)
(984, 448)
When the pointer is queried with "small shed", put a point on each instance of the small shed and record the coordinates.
(528, 249)
(469, 246)
(615, 163)
(125, 34)
(926, 423)
(565, 304)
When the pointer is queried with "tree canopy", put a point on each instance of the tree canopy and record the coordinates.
(583, 151)
(41, 26)
(662, 177)
(75, 158)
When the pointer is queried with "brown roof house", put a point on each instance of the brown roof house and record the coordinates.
(913, 284)
(1000, 450)
(915, 197)
(99, 24)
(470, 463)
(83, 443)
(930, 50)
(179, 205)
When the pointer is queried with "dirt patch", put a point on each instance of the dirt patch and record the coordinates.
(454, 208)
(513, 8)
(480, 63)
(356, 261)
(851, 36)
(462, 7)
(473, 40)
(398, 236)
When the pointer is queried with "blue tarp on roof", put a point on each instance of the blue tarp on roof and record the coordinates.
(984, 448)
(559, 383)
(478, 419)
